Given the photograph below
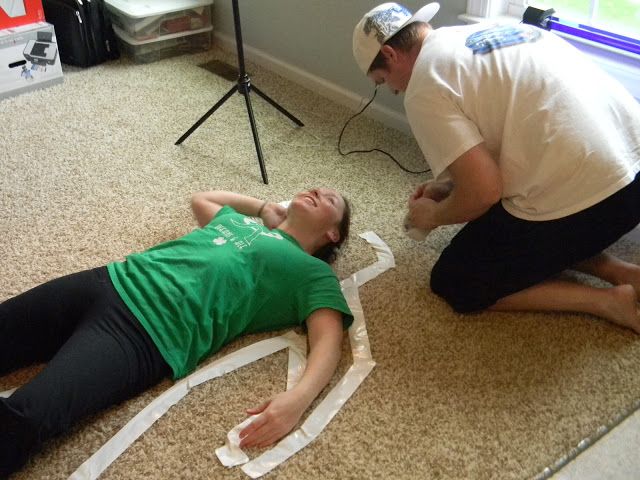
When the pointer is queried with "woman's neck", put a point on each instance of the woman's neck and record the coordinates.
(309, 241)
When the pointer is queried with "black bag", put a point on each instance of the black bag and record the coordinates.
(84, 33)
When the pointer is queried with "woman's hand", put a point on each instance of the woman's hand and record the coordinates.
(277, 418)
(273, 214)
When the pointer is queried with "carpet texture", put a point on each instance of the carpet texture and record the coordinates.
(90, 173)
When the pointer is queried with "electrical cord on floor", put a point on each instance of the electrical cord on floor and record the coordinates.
(344, 154)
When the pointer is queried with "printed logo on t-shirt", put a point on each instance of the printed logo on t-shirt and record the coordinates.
(497, 37)
(248, 231)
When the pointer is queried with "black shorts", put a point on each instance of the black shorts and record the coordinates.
(498, 254)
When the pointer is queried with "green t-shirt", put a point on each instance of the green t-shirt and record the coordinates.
(234, 276)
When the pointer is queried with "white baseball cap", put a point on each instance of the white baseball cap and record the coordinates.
(380, 24)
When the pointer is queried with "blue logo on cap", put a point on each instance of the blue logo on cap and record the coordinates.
(382, 23)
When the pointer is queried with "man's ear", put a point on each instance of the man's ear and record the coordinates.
(389, 53)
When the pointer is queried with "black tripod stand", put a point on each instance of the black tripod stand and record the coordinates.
(244, 87)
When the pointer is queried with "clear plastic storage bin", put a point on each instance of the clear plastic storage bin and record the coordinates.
(150, 30)
(164, 47)
(148, 20)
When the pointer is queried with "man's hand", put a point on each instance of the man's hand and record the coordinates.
(476, 185)
(436, 191)
(422, 213)
(273, 214)
(278, 417)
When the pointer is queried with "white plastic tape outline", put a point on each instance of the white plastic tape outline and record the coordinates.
(230, 454)
(7, 393)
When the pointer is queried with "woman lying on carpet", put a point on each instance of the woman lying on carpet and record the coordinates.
(112, 332)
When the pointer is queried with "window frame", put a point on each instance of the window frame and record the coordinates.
(496, 8)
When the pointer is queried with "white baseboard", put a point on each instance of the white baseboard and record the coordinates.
(317, 84)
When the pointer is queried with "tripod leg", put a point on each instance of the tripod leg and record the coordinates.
(278, 107)
(254, 130)
(207, 115)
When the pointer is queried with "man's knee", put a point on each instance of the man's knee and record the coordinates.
(458, 288)
(443, 284)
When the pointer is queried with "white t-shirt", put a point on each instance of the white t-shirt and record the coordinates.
(564, 134)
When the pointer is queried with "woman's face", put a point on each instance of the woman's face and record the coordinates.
(323, 206)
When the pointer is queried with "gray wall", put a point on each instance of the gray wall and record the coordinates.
(315, 35)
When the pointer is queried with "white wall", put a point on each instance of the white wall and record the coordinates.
(310, 42)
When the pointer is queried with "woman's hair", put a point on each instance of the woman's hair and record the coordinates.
(329, 252)
(404, 41)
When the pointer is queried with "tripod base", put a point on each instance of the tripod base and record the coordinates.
(244, 87)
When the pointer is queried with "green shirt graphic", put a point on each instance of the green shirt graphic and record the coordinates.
(234, 276)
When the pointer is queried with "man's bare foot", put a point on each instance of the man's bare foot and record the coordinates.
(613, 270)
(630, 274)
(623, 309)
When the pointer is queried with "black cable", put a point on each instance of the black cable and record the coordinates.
(344, 154)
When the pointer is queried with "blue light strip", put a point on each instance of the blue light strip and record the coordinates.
(628, 44)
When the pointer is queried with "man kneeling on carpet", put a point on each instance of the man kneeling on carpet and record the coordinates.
(112, 332)
(543, 180)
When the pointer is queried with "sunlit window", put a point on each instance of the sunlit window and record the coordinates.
(620, 16)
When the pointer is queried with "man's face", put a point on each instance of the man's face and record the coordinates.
(381, 77)
(397, 72)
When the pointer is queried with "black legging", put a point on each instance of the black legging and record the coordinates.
(97, 355)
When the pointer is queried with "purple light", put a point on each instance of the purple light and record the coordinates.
(604, 37)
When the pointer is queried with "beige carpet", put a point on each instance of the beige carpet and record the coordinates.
(90, 173)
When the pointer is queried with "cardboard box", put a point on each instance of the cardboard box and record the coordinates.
(29, 59)
(14, 13)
